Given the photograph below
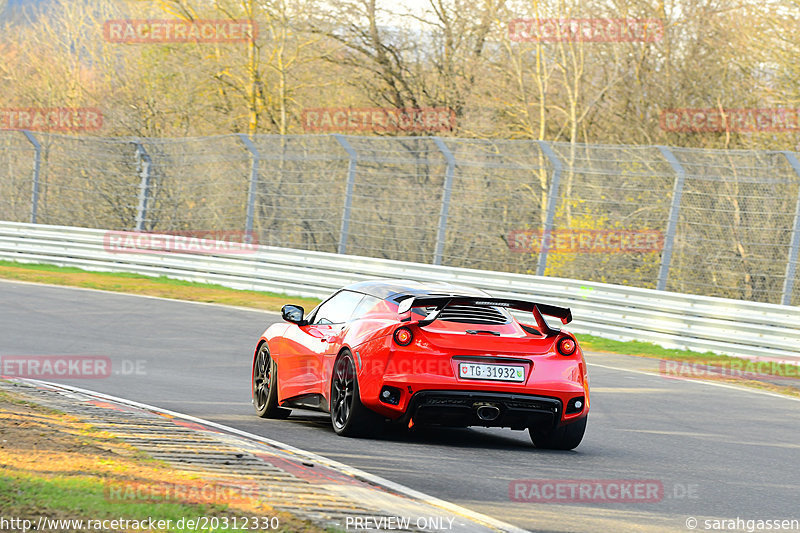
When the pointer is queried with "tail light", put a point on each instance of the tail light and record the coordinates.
(403, 336)
(566, 346)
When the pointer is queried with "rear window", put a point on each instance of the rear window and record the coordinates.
(366, 305)
(339, 308)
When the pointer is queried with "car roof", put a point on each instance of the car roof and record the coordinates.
(390, 288)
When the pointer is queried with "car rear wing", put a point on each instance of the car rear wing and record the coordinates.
(441, 302)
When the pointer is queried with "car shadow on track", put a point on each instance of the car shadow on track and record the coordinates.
(484, 438)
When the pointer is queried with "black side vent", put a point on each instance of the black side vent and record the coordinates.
(473, 315)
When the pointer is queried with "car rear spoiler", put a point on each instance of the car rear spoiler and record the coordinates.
(440, 302)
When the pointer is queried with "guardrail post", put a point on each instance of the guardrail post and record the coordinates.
(255, 159)
(37, 164)
(672, 222)
(552, 202)
(348, 193)
(143, 163)
(447, 191)
(791, 264)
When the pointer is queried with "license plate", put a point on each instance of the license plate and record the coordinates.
(491, 372)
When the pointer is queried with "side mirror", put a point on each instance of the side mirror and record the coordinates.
(293, 314)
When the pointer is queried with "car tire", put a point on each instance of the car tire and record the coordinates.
(265, 385)
(349, 417)
(565, 437)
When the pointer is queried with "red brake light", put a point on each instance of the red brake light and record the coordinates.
(566, 346)
(403, 336)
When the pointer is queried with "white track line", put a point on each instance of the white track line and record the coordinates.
(341, 467)
(700, 381)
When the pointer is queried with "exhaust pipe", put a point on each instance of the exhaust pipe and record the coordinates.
(488, 412)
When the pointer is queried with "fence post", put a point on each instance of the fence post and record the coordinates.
(552, 202)
(143, 162)
(348, 193)
(37, 164)
(791, 264)
(447, 191)
(255, 159)
(672, 222)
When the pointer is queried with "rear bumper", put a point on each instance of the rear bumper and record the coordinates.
(425, 372)
(488, 409)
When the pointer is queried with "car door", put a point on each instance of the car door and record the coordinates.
(300, 346)
(336, 318)
(305, 346)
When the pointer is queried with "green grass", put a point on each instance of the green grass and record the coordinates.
(749, 372)
(86, 497)
(161, 286)
(156, 279)
(647, 349)
(54, 268)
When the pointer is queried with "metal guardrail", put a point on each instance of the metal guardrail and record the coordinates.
(624, 313)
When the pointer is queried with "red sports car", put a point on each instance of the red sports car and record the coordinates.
(425, 354)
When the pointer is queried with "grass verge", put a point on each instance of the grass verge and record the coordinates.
(54, 466)
(151, 286)
(646, 349)
(708, 366)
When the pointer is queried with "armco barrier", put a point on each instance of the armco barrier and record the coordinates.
(612, 311)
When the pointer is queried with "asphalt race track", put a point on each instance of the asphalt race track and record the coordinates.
(718, 452)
